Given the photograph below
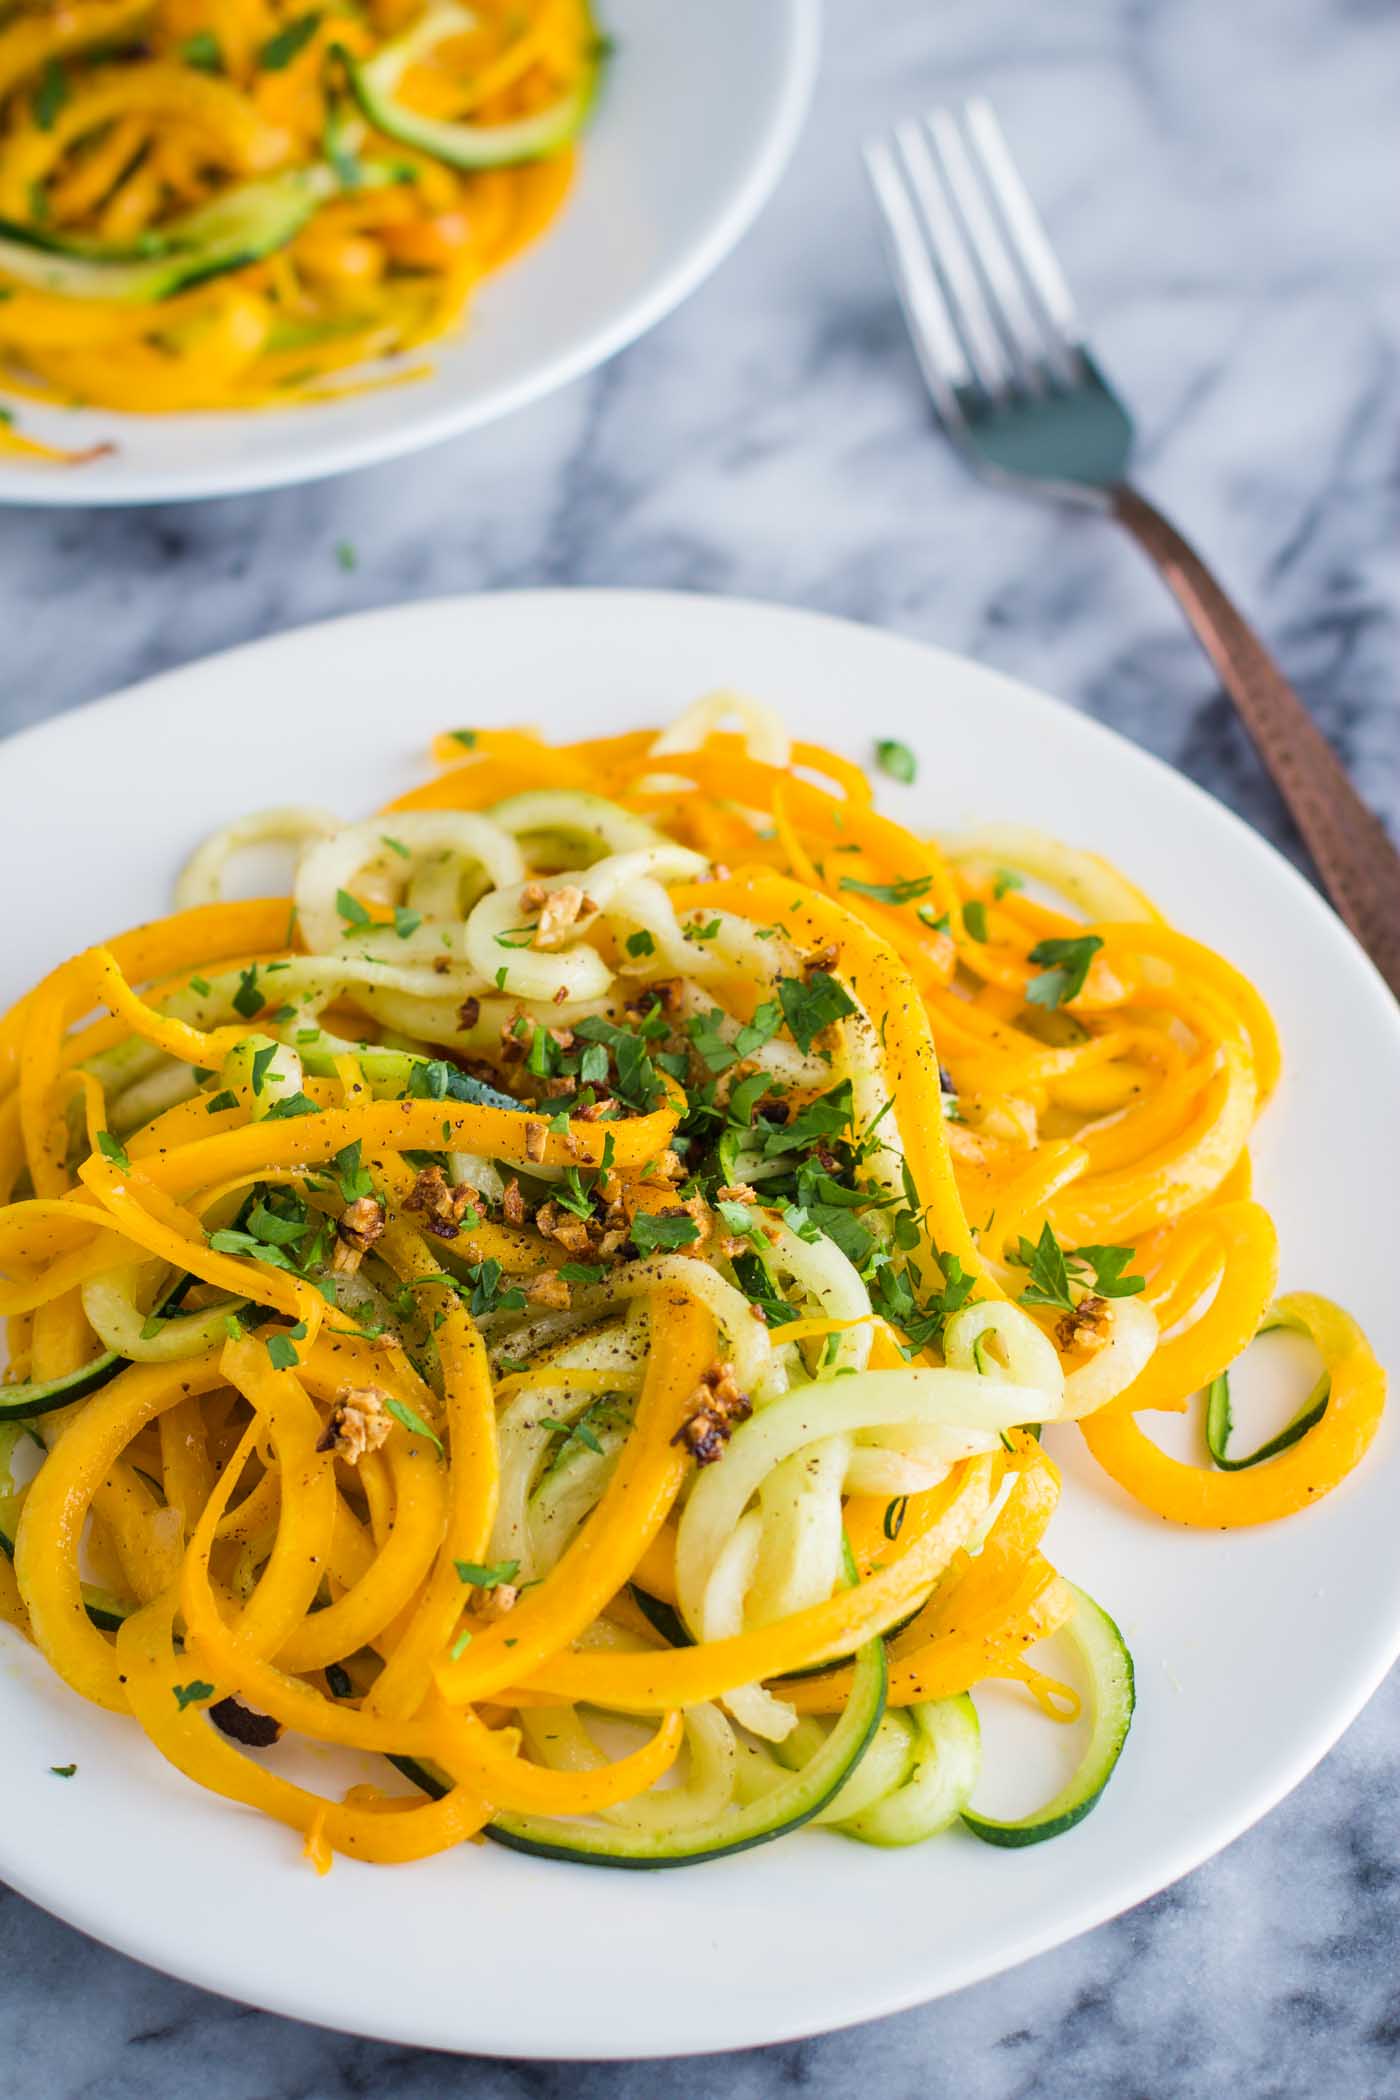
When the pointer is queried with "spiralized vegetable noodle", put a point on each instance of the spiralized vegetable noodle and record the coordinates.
(608, 1245)
(215, 204)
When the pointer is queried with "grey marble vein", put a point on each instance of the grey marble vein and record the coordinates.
(1222, 178)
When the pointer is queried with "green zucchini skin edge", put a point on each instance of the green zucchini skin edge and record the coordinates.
(473, 146)
(583, 1844)
(1110, 1665)
(245, 226)
(20, 1403)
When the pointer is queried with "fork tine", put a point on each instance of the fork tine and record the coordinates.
(1024, 227)
(1019, 322)
(972, 316)
(936, 343)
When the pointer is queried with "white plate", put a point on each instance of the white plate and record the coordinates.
(1254, 1650)
(701, 107)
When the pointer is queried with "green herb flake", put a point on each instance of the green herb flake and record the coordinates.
(640, 943)
(203, 52)
(395, 846)
(811, 1004)
(261, 1060)
(1049, 1274)
(351, 910)
(1068, 965)
(575, 1432)
(465, 737)
(905, 892)
(649, 1232)
(289, 1105)
(406, 922)
(110, 1149)
(897, 760)
(282, 1352)
(487, 1577)
(1007, 879)
(50, 95)
(402, 1412)
(278, 52)
(226, 1098)
(248, 1000)
(975, 918)
(192, 1694)
(346, 557)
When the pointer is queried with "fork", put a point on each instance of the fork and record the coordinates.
(1003, 354)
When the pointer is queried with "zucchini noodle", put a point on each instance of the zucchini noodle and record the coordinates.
(222, 204)
(569, 1300)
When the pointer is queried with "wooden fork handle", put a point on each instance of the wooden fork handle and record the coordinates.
(1357, 862)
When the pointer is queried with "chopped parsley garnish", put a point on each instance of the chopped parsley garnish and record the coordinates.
(487, 1295)
(903, 892)
(572, 1432)
(1007, 879)
(406, 922)
(582, 1272)
(593, 1065)
(894, 1516)
(351, 910)
(297, 1104)
(192, 1694)
(701, 933)
(111, 1149)
(50, 95)
(637, 1083)
(279, 50)
(811, 1004)
(395, 846)
(921, 1321)
(261, 1060)
(487, 1577)
(345, 555)
(282, 1352)
(275, 1228)
(465, 737)
(1108, 1264)
(755, 1034)
(226, 1098)
(248, 1000)
(897, 760)
(1068, 965)
(353, 1178)
(63, 1771)
(202, 51)
(650, 1232)
(975, 918)
(1052, 1268)
(402, 1412)
(201, 985)
(713, 1049)
(503, 972)
(640, 943)
(829, 1116)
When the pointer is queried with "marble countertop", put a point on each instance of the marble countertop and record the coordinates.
(1221, 182)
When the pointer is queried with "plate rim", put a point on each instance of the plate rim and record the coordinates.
(846, 2004)
(794, 82)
